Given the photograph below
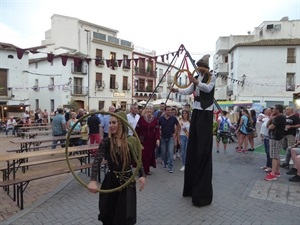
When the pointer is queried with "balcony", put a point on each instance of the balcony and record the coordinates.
(100, 85)
(113, 86)
(99, 61)
(126, 87)
(79, 90)
(144, 72)
(81, 69)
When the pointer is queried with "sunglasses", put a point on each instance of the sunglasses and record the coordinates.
(113, 122)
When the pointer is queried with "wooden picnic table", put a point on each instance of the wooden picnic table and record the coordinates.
(34, 127)
(15, 161)
(25, 144)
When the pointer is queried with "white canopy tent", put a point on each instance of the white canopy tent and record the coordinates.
(169, 102)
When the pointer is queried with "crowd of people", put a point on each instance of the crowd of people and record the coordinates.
(278, 131)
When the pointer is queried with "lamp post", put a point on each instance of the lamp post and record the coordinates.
(244, 78)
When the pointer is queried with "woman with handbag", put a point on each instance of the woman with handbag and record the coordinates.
(244, 130)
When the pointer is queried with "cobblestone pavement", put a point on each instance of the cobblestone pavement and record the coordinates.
(241, 196)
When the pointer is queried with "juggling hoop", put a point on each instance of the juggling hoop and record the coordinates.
(203, 72)
(137, 159)
(177, 74)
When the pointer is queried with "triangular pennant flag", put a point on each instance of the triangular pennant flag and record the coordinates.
(97, 61)
(108, 62)
(20, 52)
(162, 58)
(64, 59)
(76, 61)
(136, 62)
(50, 57)
(120, 62)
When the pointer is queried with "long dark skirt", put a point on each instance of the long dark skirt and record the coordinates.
(118, 207)
(198, 166)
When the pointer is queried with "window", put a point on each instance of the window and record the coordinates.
(78, 85)
(123, 105)
(126, 63)
(37, 103)
(226, 59)
(291, 57)
(112, 83)
(270, 26)
(36, 82)
(99, 81)
(231, 64)
(141, 85)
(52, 81)
(10, 56)
(99, 53)
(100, 105)
(113, 57)
(125, 83)
(3, 82)
(290, 82)
(51, 105)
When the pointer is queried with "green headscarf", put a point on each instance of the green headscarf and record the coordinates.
(132, 141)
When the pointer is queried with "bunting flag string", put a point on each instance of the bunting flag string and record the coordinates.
(98, 60)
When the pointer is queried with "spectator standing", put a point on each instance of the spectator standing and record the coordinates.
(264, 131)
(184, 122)
(76, 130)
(168, 124)
(147, 129)
(224, 126)
(276, 126)
(59, 127)
(84, 133)
(252, 134)
(104, 129)
(93, 123)
(289, 139)
(133, 118)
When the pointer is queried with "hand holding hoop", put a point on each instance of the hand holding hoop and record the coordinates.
(137, 159)
(202, 70)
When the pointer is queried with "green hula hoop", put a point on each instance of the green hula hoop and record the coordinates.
(137, 159)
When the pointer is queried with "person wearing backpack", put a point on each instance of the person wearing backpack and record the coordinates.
(223, 132)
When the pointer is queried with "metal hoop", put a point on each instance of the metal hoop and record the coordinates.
(203, 72)
(177, 74)
(137, 159)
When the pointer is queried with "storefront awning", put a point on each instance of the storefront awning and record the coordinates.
(225, 103)
(242, 103)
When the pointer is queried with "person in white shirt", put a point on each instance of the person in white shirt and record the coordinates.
(10, 125)
(133, 118)
(264, 131)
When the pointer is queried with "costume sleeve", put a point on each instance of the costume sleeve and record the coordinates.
(207, 87)
(187, 91)
(103, 147)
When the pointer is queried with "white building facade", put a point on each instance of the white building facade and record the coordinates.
(262, 66)
(100, 74)
(13, 78)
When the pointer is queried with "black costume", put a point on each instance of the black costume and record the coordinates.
(118, 207)
(198, 166)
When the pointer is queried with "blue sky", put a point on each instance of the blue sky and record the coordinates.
(156, 25)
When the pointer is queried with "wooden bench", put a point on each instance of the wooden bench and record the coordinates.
(22, 182)
(81, 158)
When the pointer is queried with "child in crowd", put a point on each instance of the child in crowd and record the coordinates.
(84, 133)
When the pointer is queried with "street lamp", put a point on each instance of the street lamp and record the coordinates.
(70, 80)
(244, 78)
